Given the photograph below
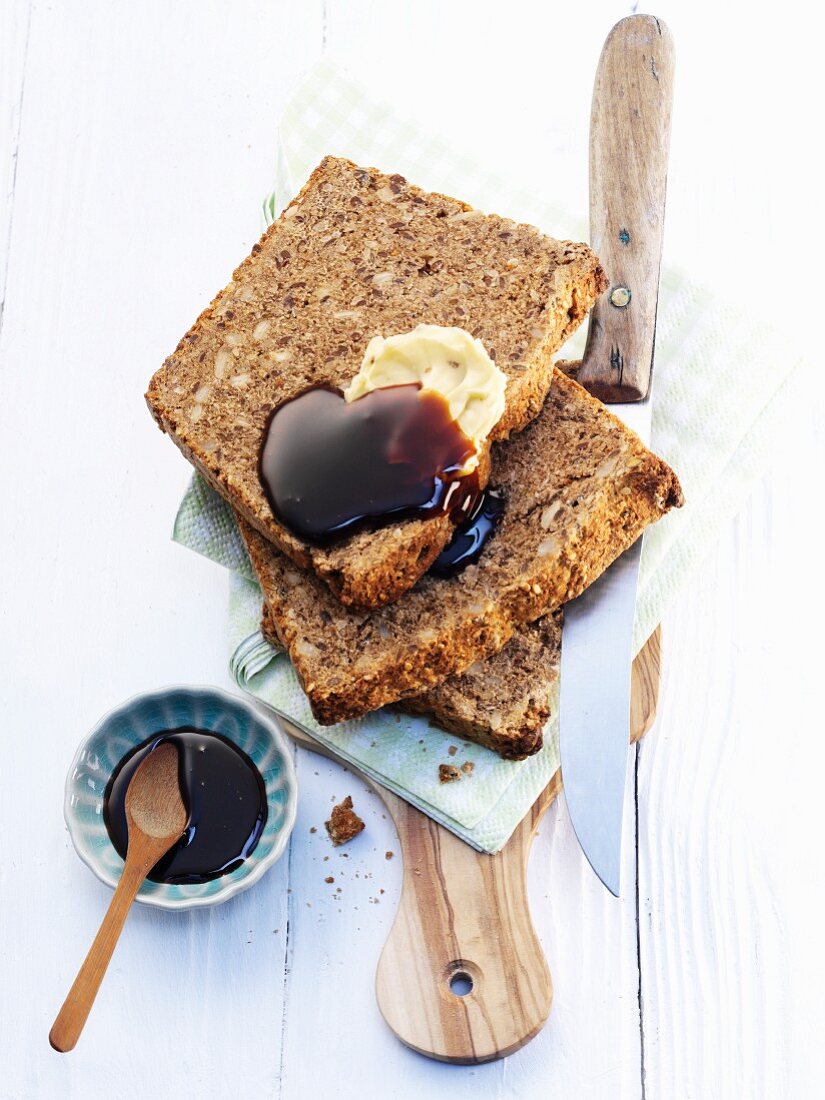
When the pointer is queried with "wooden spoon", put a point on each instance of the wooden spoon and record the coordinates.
(155, 818)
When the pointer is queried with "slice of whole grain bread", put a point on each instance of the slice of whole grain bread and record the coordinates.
(502, 703)
(579, 489)
(357, 254)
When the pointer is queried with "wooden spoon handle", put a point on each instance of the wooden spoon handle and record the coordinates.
(73, 1015)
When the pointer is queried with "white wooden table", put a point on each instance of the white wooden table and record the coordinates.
(136, 141)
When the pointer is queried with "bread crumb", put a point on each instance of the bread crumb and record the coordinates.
(344, 822)
(388, 855)
(313, 829)
(447, 773)
(329, 878)
(452, 750)
(467, 767)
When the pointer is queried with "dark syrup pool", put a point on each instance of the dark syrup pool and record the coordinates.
(225, 798)
(328, 467)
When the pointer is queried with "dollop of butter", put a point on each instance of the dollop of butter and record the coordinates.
(447, 360)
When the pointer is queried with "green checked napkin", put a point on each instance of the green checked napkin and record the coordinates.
(722, 385)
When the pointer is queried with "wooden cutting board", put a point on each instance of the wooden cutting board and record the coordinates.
(464, 920)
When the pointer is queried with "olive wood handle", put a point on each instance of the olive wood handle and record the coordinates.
(629, 144)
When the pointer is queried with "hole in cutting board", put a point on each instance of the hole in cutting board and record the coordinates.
(459, 978)
(461, 983)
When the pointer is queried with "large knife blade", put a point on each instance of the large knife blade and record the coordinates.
(629, 143)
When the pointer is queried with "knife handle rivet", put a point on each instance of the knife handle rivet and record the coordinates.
(620, 297)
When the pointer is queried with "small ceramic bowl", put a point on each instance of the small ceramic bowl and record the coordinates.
(134, 721)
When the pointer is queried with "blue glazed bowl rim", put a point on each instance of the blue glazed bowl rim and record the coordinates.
(234, 883)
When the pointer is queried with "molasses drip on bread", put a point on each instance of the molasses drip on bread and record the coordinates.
(470, 536)
(328, 467)
(580, 488)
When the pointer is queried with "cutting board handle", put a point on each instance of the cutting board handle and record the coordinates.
(629, 144)
(464, 920)
(462, 977)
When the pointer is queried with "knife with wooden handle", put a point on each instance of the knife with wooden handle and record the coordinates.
(629, 143)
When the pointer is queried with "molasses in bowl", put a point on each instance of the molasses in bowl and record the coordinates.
(237, 780)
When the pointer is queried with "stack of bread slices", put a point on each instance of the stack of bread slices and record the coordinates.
(359, 254)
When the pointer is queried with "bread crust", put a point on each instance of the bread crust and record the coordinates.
(301, 309)
(580, 488)
(502, 703)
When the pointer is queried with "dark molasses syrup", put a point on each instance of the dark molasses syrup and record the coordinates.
(224, 794)
(470, 536)
(328, 467)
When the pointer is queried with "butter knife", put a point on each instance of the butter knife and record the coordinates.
(629, 143)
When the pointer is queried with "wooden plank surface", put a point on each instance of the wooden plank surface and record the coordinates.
(139, 140)
(14, 42)
(139, 177)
